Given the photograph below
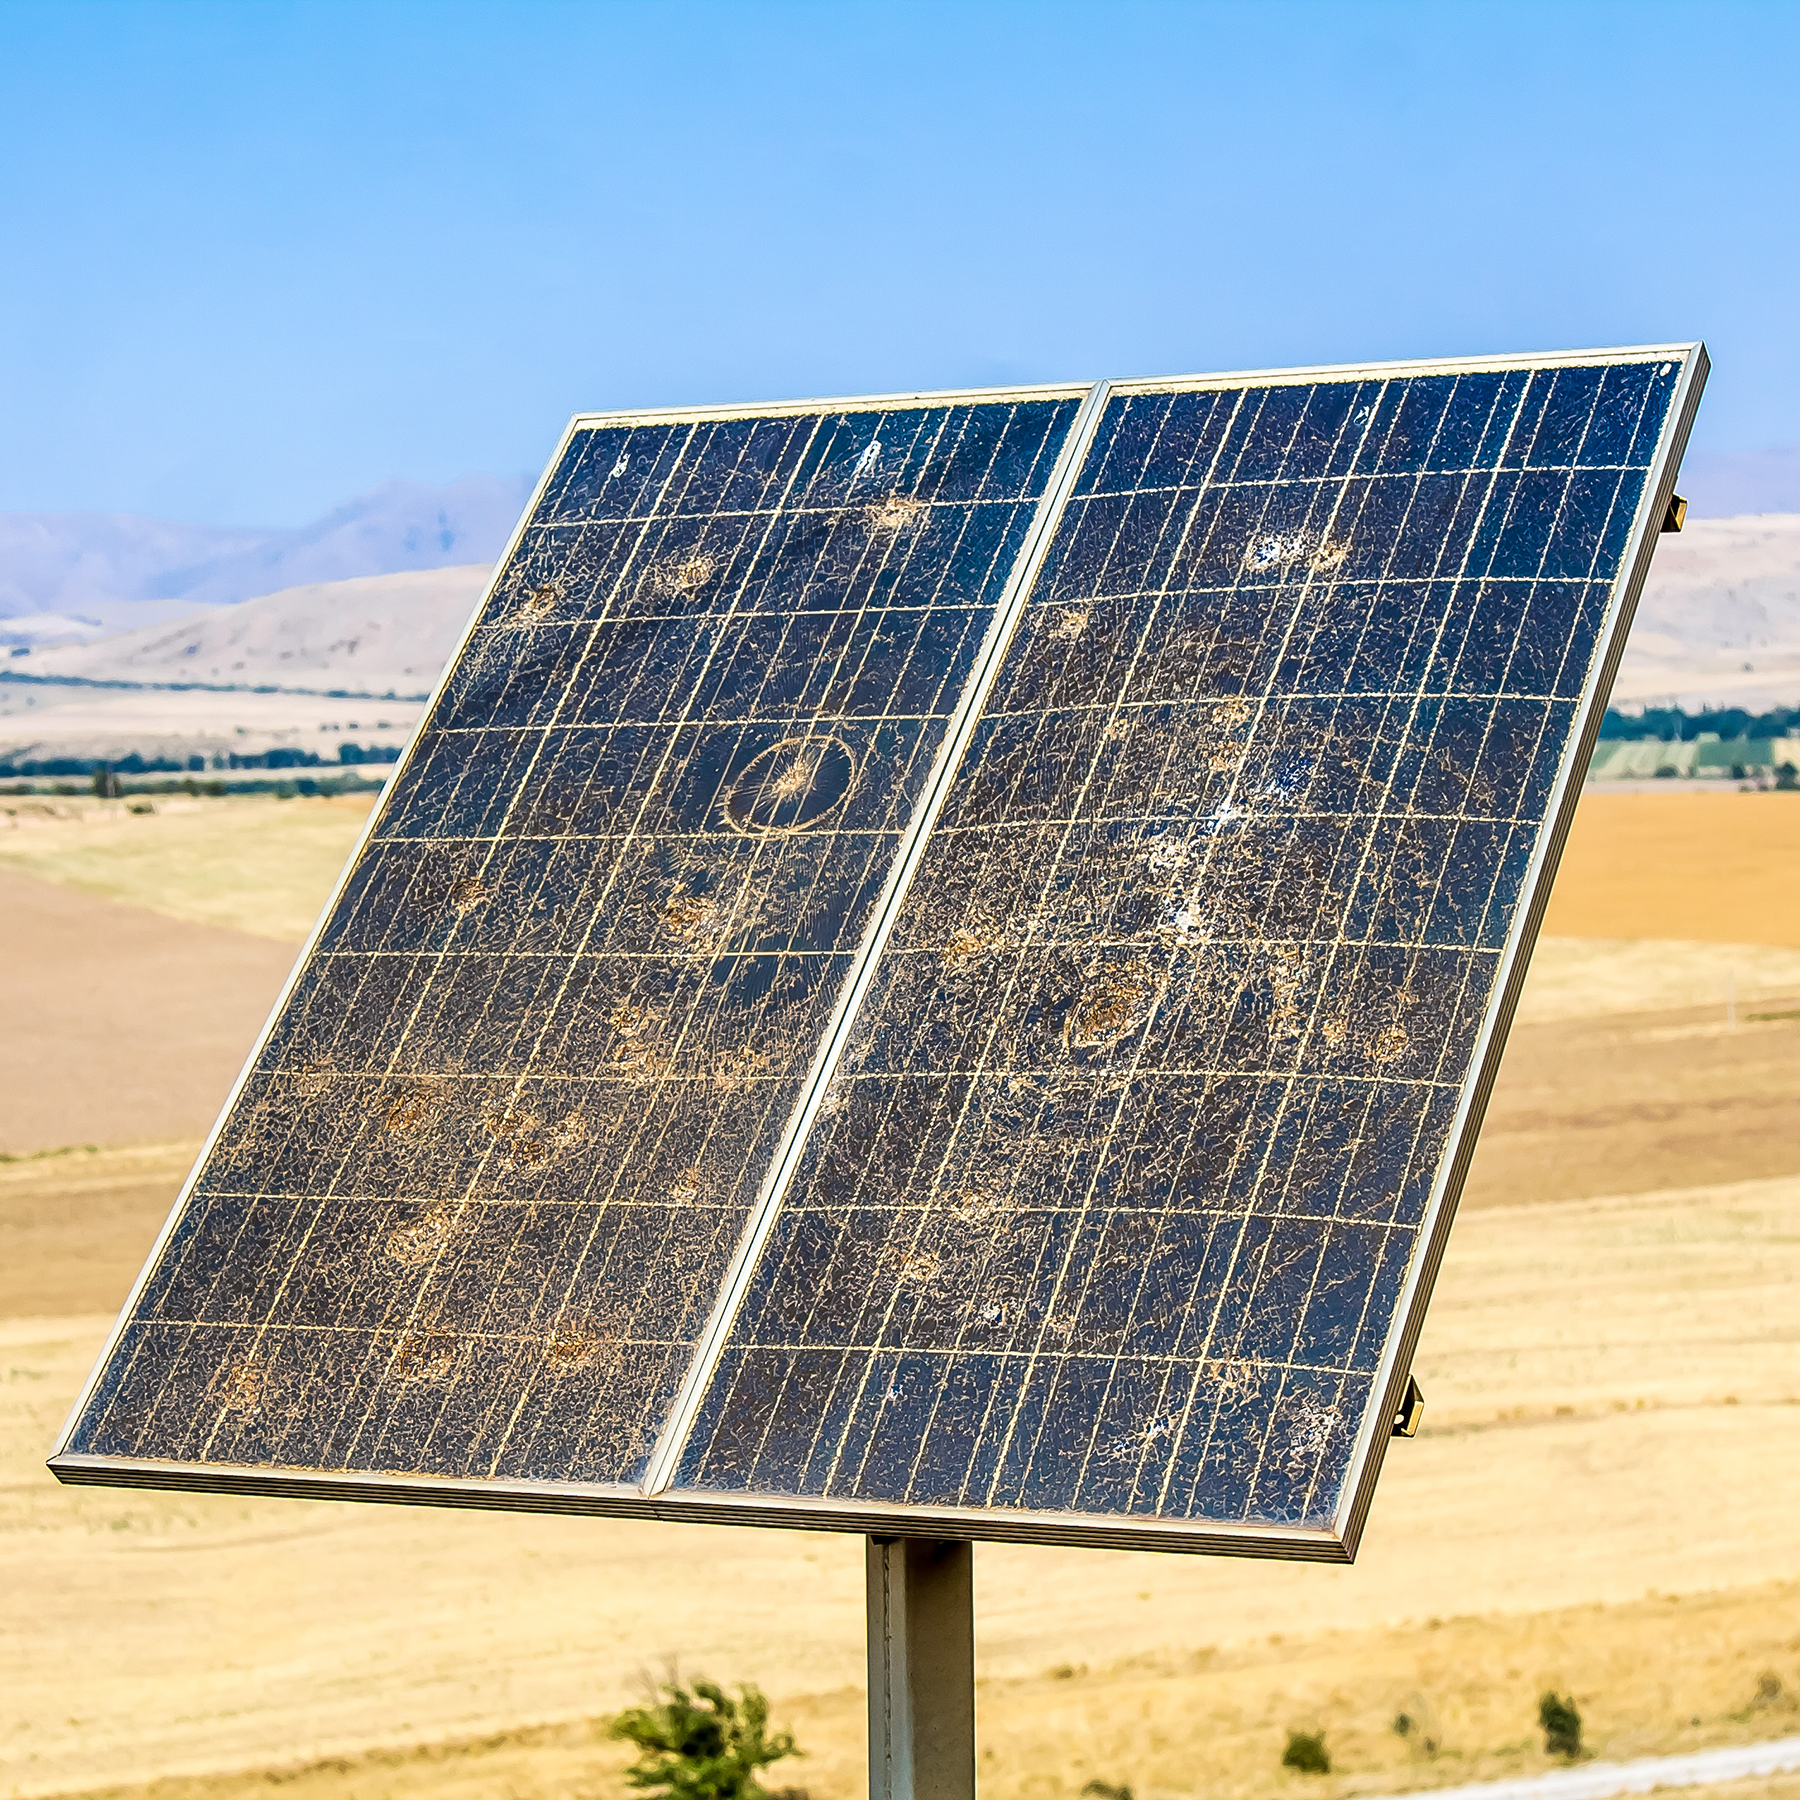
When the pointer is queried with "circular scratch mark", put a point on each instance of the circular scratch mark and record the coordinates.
(790, 786)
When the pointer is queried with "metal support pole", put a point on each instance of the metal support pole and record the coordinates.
(921, 1670)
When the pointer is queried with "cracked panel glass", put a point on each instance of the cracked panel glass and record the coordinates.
(1111, 1198)
(480, 1192)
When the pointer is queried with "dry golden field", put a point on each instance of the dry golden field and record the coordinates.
(253, 864)
(1643, 866)
(1600, 1500)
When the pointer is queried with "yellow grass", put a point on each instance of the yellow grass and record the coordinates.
(1653, 1677)
(1717, 868)
(263, 866)
(76, 1225)
(1613, 1406)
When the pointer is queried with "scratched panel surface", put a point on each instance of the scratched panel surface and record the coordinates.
(479, 1193)
(1110, 1202)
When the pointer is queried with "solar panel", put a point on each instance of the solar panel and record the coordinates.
(934, 965)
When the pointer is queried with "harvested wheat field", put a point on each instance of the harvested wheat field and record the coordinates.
(253, 864)
(1698, 863)
(1599, 1500)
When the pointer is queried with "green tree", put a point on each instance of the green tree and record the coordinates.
(698, 1743)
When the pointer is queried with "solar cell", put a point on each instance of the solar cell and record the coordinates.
(839, 1023)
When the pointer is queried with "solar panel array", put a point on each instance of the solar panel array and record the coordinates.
(931, 959)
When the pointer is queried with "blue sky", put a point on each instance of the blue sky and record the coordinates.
(256, 257)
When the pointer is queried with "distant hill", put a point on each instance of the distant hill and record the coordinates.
(84, 574)
(376, 634)
(348, 660)
(1719, 621)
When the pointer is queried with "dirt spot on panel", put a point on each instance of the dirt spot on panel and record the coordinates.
(1131, 1445)
(973, 1205)
(1282, 552)
(578, 1345)
(684, 1190)
(425, 1353)
(1231, 1378)
(1287, 978)
(733, 1072)
(702, 921)
(1112, 1005)
(313, 1078)
(689, 915)
(422, 1241)
(468, 892)
(639, 1063)
(536, 603)
(1071, 622)
(963, 947)
(628, 1018)
(1390, 1043)
(687, 575)
(894, 513)
(413, 1107)
(530, 1141)
(1311, 1429)
(240, 1388)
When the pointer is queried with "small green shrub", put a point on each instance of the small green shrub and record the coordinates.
(1105, 1790)
(1416, 1732)
(698, 1743)
(1306, 1752)
(1562, 1725)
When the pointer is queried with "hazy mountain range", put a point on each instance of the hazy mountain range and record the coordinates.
(326, 663)
(75, 575)
(373, 634)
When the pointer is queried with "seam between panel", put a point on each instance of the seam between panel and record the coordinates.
(673, 1438)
